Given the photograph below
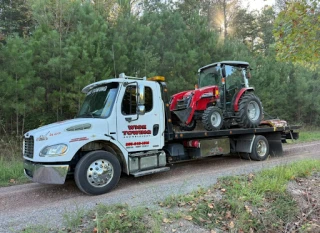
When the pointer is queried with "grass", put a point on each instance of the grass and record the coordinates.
(308, 136)
(249, 203)
(11, 162)
(255, 202)
(11, 171)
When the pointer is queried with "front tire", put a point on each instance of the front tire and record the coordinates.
(212, 118)
(250, 111)
(188, 127)
(97, 172)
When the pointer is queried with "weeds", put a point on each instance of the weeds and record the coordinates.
(308, 136)
(73, 219)
(249, 203)
(11, 171)
(120, 218)
(11, 162)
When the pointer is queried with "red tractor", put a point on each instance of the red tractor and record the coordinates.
(223, 99)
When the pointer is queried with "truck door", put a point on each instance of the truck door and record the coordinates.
(143, 132)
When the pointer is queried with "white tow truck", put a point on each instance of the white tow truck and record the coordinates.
(125, 126)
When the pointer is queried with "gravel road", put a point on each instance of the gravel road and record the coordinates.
(33, 204)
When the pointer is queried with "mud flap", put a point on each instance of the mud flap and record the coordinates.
(275, 143)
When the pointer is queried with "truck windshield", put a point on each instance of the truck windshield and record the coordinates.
(99, 101)
(210, 77)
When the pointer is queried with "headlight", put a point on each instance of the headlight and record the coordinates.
(55, 150)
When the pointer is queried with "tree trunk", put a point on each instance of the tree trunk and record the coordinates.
(225, 19)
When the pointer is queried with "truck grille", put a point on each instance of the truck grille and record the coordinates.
(28, 147)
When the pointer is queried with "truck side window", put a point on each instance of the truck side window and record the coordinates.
(129, 104)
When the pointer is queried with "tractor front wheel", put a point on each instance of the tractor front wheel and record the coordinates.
(188, 127)
(212, 118)
(250, 111)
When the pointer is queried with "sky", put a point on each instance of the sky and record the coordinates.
(257, 4)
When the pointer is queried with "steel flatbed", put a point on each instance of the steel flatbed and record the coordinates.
(236, 131)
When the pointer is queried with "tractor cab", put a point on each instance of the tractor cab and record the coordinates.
(229, 76)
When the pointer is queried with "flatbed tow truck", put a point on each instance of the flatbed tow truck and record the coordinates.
(125, 126)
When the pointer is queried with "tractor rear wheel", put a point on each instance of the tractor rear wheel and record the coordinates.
(212, 118)
(250, 111)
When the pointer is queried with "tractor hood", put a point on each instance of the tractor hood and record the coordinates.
(203, 92)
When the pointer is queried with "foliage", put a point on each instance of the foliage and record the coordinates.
(297, 32)
(69, 44)
(15, 18)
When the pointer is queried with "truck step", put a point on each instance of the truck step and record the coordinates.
(149, 172)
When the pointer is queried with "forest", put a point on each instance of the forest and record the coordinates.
(51, 49)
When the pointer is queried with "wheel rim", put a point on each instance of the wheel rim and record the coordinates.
(261, 148)
(253, 110)
(100, 173)
(215, 119)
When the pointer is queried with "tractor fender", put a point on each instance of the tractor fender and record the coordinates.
(237, 99)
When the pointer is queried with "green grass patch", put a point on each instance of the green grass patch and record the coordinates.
(255, 202)
(72, 220)
(11, 171)
(308, 136)
(121, 218)
(11, 162)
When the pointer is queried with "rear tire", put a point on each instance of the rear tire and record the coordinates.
(250, 111)
(260, 148)
(212, 118)
(97, 172)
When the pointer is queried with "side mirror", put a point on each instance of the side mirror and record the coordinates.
(141, 109)
(140, 94)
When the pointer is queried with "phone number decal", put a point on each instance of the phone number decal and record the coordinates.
(137, 143)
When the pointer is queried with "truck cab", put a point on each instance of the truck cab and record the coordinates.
(119, 117)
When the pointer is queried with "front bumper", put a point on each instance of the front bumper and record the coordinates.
(45, 174)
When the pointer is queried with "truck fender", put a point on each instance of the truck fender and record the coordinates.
(110, 147)
(238, 96)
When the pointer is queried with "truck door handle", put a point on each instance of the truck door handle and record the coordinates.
(155, 129)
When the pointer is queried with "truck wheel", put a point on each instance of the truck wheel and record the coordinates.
(97, 172)
(212, 118)
(188, 127)
(250, 111)
(260, 148)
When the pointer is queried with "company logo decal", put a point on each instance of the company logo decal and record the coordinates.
(79, 139)
(137, 130)
(54, 134)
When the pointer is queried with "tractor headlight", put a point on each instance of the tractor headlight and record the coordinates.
(54, 150)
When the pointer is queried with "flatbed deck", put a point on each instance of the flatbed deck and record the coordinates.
(235, 131)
